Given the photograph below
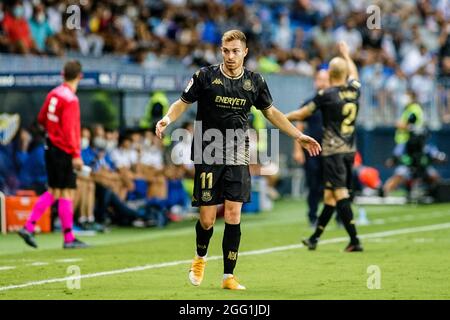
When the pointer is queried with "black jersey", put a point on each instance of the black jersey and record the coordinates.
(222, 113)
(314, 127)
(339, 106)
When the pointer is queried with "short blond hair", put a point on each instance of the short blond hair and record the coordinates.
(234, 35)
(338, 68)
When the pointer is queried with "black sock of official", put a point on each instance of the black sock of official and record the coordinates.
(230, 246)
(322, 221)
(344, 210)
(202, 240)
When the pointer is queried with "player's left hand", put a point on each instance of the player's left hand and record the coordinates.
(310, 144)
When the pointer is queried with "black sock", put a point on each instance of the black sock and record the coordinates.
(322, 221)
(344, 210)
(202, 239)
(230, 246)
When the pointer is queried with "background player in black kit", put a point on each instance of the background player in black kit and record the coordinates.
(312, 126)
(339, 106)
(225, 94)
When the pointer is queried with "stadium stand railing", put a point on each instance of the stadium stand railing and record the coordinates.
(379, 107)
(107, 63)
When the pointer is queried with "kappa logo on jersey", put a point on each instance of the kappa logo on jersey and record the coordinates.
(191, 82)
(217, 81)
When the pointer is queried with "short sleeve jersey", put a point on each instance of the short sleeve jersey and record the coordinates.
(221, 128)
(339, 106)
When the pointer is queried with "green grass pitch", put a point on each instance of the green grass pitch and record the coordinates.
(407, 244)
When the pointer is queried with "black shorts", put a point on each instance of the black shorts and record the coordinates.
(213, 184)
(337, 170)
(59, 167)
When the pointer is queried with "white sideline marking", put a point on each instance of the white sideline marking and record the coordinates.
(68, 260)
(406, 218)
(6, 268)
(38, 263)
(247, 253)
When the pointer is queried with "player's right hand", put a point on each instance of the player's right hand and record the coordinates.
(77, 163)
(161, 125)
(343, 48)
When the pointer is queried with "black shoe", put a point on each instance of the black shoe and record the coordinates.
(75, 244)
(28, 237)
(354, 248)
(312, 245)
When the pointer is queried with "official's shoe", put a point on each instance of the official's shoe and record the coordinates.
(75, 244)
(197, 270)
(354, 248)
(231, 283)
(312, 245)
(28, 237)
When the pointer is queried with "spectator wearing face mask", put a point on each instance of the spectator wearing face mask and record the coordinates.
(41, 31)
(30, 160)
(98, 136)
(124, 156)
(87, 152)
(85, 195)
(17, 29)
(111, 140)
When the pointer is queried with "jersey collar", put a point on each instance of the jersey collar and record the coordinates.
(65, 84)
(229, 77)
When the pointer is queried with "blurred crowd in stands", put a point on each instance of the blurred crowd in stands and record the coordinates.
(132, 179)
(284, 36)
(410, 49)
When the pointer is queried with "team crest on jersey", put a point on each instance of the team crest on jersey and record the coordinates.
(217, 81)
(206, 195)
(191, 82)
(247, 85)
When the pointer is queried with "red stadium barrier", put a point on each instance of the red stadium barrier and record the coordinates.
(18, 210)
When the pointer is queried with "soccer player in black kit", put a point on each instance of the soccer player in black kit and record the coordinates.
(225, 94)
(313, 165)
(339, 106)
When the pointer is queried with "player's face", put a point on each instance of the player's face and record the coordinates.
(322, 80)
(233, 53)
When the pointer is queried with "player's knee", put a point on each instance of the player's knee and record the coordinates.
(56, 193)
(67, 193)
(340, 194)
(329, 199)
(207, 222)
(232, 215)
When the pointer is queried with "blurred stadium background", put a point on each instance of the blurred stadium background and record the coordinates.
(138, 55)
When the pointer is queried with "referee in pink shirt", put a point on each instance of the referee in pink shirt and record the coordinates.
(60, 117)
